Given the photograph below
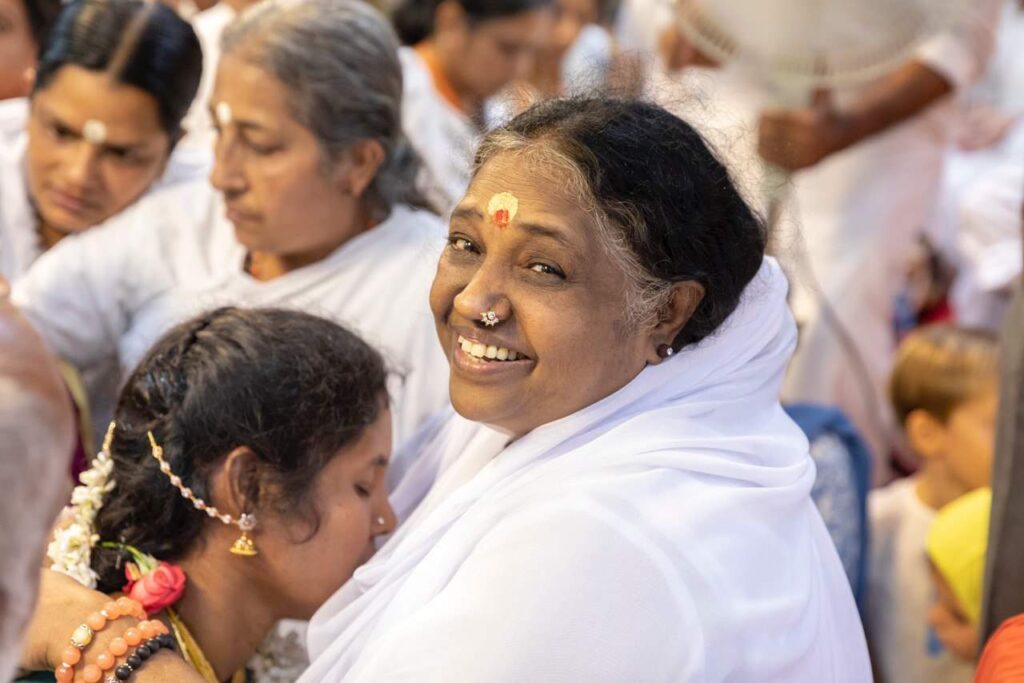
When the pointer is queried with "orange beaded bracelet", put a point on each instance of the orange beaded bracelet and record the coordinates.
(118, 647)
(84, 634)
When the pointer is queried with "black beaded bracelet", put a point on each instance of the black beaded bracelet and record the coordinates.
(141, 654)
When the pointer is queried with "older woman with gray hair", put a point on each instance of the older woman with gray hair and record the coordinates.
(311, 204)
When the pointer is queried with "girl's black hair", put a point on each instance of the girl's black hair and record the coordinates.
(161, 56)
(293, 388)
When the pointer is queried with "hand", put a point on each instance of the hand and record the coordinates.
(63, 605)
(983, 127)
(957, 635)
(678, 52)
(800, 138)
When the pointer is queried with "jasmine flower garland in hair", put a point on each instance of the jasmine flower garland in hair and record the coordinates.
(70, 551)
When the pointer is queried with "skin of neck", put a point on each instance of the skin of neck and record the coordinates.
(49, 236)
(937, 485)
(222, 608)
(267, 266)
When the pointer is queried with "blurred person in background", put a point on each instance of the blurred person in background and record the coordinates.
(24, 26)
(113, 81)
(457, 55)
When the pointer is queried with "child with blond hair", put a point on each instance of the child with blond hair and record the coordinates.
(944, 390)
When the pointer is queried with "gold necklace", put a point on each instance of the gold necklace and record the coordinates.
(193, 654)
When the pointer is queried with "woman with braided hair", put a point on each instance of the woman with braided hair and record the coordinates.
(266, 425)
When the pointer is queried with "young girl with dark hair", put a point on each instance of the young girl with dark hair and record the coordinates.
(113, 81)
(243, 475)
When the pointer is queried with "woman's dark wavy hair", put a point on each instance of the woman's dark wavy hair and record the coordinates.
(652, 179)
(294, 388)
(414, 19)
(143, 44)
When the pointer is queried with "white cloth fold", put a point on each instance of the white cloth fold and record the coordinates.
(664, 533)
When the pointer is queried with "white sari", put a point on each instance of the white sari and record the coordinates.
(665, 533)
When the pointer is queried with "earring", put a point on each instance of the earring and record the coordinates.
(243, 545)
(246, 522)
(666, 351)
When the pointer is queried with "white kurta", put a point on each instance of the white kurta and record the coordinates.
(115, 289)
(445, 138)
(665, 533)
(19, 236)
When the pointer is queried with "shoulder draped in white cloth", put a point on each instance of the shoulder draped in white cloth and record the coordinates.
(665, 533)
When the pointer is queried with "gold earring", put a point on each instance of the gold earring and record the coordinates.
(244, 545)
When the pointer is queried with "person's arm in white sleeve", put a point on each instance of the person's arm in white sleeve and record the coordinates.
(74, 294)
(794, 139)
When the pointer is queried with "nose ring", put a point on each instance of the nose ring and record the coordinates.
(490, 318)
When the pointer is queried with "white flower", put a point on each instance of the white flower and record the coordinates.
(70, 551)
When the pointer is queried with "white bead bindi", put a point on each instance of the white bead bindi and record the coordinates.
(223, 113)
(94, 132)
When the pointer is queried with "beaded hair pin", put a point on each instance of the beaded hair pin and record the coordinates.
(246, 522)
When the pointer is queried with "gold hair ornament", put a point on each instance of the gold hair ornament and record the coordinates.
(244, 545)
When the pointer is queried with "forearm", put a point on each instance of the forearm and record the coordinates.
(62, 607)
(903, 94)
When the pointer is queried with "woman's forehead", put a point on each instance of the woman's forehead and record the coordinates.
(252, 93)
(537, 188)
(77, 95)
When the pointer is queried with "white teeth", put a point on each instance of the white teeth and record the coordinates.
(478, 350)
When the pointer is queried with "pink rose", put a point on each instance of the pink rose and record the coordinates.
(161, 588)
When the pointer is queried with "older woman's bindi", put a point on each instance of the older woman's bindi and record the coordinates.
(502, 209)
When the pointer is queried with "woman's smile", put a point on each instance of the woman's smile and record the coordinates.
(479, 356)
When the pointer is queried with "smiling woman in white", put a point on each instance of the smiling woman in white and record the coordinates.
(626, 500)
(311, 207)
(620, 498)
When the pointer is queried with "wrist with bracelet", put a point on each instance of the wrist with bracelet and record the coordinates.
(147, 637)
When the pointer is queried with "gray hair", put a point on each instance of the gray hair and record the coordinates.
(339, 59)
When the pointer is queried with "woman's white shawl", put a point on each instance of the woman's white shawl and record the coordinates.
(665, 533)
